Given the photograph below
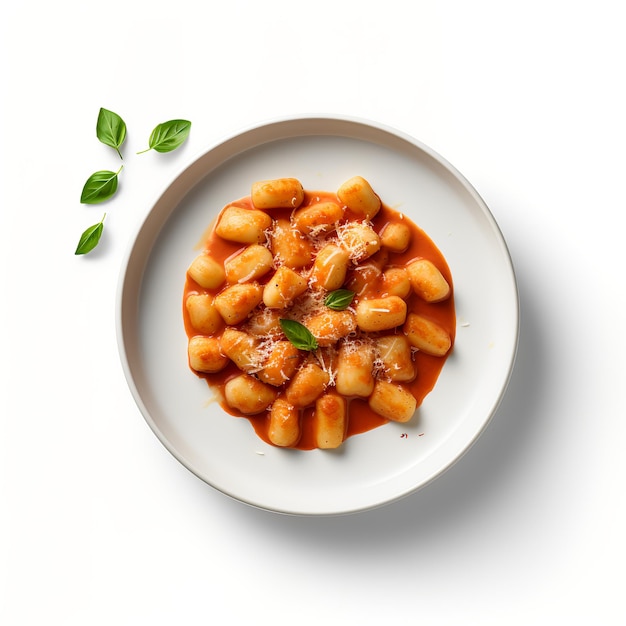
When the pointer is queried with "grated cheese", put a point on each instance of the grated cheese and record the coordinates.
(307, 305)
(352, 236)
(261, 353)
(355, 247)
(326, 357)
(317, 233)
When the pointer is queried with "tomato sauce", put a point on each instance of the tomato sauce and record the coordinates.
(360, 417)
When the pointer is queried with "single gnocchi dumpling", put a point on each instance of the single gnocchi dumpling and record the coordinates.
(427, 281)
(329, 326)
(205, 354)
(248, 394)
(284, 193)
(395, 236)
(284, 426)
(330, 420)
(364, 278)
(355, 369)
(243, 225)
(357, 194)
(307, 385)
(392, 401)
(318, 218)
(203, 315)
(395, 282)
(206, 271)
(360, 240)
(330, 267)
(283, 288)
(426, 335)
(381, 313)
(241, 348)
(394, 353)
(289, 246)
(281, 364)
(249, 264)
(236, 302)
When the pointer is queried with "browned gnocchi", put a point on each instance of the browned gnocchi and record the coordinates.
(318, 315)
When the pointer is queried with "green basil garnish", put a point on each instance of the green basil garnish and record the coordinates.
(90, 238)
(100, 186)
(168, 136)
(111, 129)
(339, 299)
(299, 335)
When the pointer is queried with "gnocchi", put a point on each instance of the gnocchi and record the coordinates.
(205, 354)
(283, 288)
(393, 401)
(360, 239)
(248, 394)
(330, 267)
(243, 225)
(281, 364)
(236, 302)
(284, 426)
(249, 264)
(330, 411)
(396, 236)
(241, 348)
(289, 246)
(329, 326)
(318, 315)
(427, 281)
(357, 194)
(394, 353)
(284, 193)
(307, 385)
(355, 370)
(318, 218)
(381, 313)
(427, 335)
(206, 271)
(203, 315)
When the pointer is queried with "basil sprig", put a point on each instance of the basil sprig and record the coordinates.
(168, 136)
(99, 186)
(299, 335)
(111, 129)
(90, 238)
(339, 299)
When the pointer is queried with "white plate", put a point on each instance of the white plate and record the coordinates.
(370, 469)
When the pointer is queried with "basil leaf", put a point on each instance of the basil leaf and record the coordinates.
(99, 187)
(299, 335)
(339, 299)
(168, 136)
(90, 238)
(111, 129)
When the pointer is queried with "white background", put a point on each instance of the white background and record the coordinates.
(100, 525)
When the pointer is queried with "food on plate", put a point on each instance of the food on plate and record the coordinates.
(318, 315)
(284, 193)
